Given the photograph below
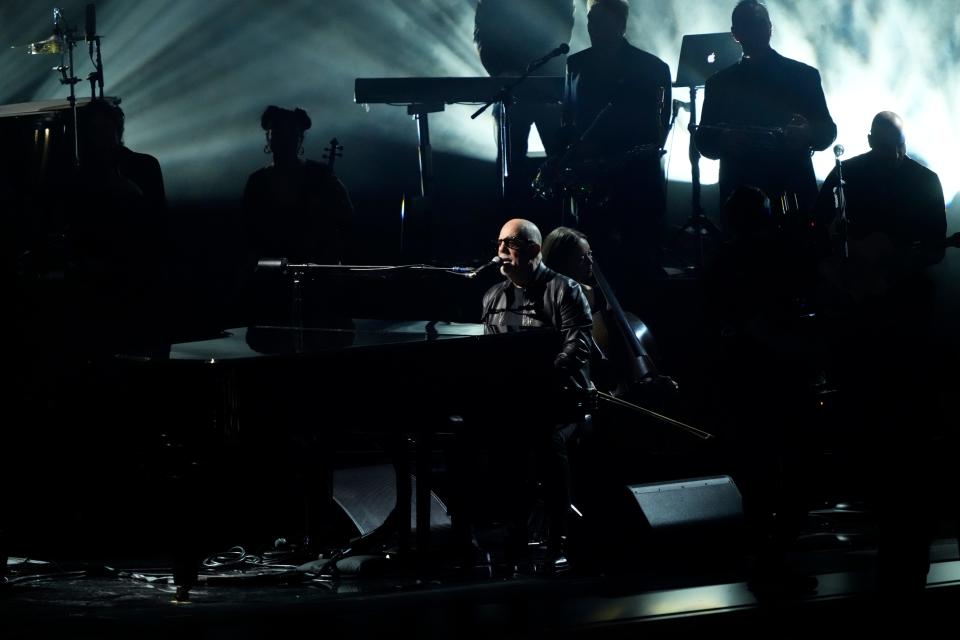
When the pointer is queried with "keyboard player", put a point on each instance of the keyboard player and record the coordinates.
(531, 296)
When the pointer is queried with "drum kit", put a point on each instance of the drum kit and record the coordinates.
(41, 152)
(62, 42)
(585, 179)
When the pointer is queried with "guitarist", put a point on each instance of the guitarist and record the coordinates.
(886, 361)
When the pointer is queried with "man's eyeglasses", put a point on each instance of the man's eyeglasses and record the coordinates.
(513, 242)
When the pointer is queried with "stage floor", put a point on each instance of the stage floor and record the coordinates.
(127, 598)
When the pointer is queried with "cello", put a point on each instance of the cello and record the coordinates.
(627, 344)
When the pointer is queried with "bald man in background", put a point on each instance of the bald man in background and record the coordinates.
(888, 192)
(887, 363)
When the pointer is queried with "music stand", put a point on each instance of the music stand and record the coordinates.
(701, 55)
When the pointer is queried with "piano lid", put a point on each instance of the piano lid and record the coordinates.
(260, 342)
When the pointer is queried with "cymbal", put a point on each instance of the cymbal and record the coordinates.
(50, 46)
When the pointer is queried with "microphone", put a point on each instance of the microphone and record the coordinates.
(838, 150)
(270, 264)
(90, 30)
(559, 51)
(493, 261)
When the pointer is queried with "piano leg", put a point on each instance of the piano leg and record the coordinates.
(401, 511)
(398, 522)
(3, 556)
(319, 503)
(187, 522)
(424, 484)
(192, 477)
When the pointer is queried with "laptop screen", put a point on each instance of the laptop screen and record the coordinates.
(703, 54)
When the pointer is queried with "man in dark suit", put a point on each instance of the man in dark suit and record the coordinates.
(616, 113)
(764, 117)
(888, 192)
(889, 363)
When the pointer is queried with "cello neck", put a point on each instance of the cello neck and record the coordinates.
(619, 318)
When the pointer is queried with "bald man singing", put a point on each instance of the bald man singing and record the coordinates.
(534, 296)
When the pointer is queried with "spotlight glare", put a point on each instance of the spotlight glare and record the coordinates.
(195, 76)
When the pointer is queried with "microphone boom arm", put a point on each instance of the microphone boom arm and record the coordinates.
(840, 204)
(505, 98)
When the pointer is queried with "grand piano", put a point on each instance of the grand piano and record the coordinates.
(404, 380)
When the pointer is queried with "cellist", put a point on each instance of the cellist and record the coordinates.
(624, 345)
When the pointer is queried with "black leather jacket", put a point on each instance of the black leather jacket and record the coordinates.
(558, 303)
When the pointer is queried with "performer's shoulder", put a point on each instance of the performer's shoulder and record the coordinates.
(575, 59)
(645, 56)
(798, 67)
(920, 170)
(316, 168)
(723, 76)
(855, 167)
(139, 159)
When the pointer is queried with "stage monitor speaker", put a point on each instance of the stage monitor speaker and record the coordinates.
(368, 494)
(696, 503)
(678, 525)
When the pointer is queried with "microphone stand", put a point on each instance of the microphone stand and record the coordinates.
(504, 99)
(96, 76)
(698, 222)
(70, 80)
(840, 203)
(302, 271)
(571, 208)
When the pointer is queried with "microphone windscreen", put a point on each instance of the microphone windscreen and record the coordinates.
(91, 23)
